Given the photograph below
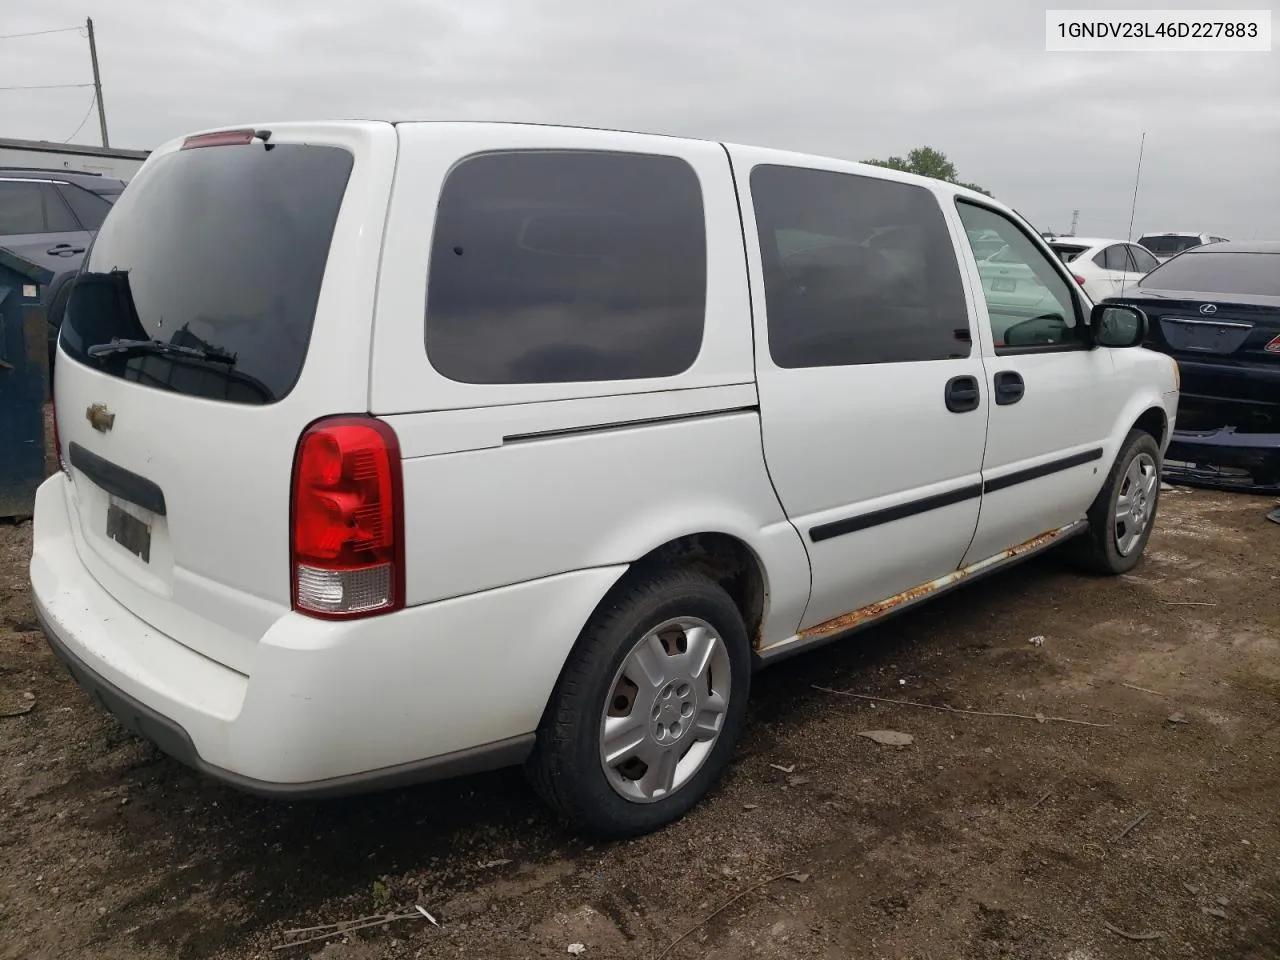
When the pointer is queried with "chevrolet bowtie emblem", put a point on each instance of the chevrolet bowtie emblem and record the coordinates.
(99, 417)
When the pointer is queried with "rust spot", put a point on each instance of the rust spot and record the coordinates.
(873, 610)
(1031, 544)
(878, 609)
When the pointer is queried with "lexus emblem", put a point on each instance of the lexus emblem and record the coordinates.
(99, 417)
(1208, 308)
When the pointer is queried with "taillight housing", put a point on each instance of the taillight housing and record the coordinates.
(1273, 346)
(347, 520)
(1079, 279)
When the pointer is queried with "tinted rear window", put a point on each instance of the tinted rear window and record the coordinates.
(560, 266)
(1067, 252)
(221, 249)
(1168, 246)
(1233, 274)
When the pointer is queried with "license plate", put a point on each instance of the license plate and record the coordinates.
(128, 531)
(1005, 286)
(1199, 338)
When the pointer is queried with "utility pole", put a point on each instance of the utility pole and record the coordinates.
(97, 84)
(1075, 219)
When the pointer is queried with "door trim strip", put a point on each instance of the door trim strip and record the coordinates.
(838, 528)
(863, 521)
(1043, 470)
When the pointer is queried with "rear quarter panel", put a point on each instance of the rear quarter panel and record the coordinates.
(509, 483)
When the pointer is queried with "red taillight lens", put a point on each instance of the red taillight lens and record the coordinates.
(224, 138)
(348, 520)
(1273, 346)
(1079, 279)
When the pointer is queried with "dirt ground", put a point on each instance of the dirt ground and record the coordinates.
(988, 837)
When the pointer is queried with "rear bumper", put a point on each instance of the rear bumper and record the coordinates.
(1224, 459)
(170, 737)
(329, 708)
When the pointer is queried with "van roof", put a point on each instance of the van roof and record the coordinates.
(785, 156)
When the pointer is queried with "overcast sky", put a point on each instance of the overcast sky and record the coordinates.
(1046, 132)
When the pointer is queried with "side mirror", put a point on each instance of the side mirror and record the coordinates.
(1114, 325)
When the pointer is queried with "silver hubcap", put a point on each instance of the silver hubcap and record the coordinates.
(665, 710)
(1136, 503)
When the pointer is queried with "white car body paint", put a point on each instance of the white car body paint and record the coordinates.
(524, 504)
(1109, 268)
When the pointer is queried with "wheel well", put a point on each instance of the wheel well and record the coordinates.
(1155, 423)
(723, 558)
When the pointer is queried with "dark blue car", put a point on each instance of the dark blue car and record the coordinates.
(48, 217)
(1216, 310)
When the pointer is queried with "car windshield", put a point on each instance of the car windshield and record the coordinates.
(1231, 274)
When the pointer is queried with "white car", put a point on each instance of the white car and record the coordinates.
(443, 446)
(1105, 268)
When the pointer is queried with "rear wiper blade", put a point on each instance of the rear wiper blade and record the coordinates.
(211, 354)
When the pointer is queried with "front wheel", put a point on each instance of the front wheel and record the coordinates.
(647, 711)
(1124, 513)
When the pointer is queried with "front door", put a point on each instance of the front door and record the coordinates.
(1053, 397)
(873, 403)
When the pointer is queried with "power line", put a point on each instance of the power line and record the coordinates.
(92, 101)
(39, 33)
(48, 86)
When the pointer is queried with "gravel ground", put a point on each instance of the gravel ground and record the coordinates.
(988, 837)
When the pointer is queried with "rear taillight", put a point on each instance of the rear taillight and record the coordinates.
(1273, 346)
(347, 520)
(1079, 279)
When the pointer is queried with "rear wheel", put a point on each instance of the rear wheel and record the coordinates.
(1124, 513)
(647, 711)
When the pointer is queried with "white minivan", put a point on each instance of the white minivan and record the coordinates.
(397, 451)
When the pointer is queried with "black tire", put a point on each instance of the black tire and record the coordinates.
(1097, 550)
(565, 766)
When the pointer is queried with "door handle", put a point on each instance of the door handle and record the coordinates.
(1009, 387)
(961, 394)
(64, 250)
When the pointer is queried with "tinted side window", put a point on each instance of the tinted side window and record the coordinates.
(873, 277)
(58, 217)
(562, 266)
(1117, 258)
(1029, 304)
(21, 208)
(89, 208)
(28, 207)
(1143, 261)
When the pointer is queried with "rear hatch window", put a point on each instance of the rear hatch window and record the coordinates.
(1067, 251)
(205, 276)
